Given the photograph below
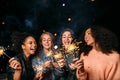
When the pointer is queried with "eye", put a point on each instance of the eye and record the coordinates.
(49, 40)
(43, 39)
(69, 37)
(63, 37)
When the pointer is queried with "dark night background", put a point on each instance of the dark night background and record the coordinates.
(36, 16)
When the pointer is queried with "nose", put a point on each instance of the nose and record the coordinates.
(34, 44)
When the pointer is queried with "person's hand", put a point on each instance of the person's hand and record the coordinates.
(80, 72)
(72, 66)
(61, 63)
(55, 65)
(39, 75)
(79, 64)
(47, 64)
(15, 64)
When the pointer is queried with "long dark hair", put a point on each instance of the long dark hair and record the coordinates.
(105, 38)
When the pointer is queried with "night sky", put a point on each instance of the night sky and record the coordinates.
(36, 16)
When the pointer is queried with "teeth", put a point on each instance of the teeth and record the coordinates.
(32, 49)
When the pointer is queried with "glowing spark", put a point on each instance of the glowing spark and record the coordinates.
(3, 22)
(63, 4)
(69, 19)
(58, 56)
(55, 47)
(38, 68)
(50, 53)
(2, 51)
(55, 34)
(73, 46)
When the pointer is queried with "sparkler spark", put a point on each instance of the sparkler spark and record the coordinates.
(38, 68)
(50, 53)
(2, 51)
(73, 46)
(58, 56)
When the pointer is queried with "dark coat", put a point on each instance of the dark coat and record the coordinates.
(27, 70)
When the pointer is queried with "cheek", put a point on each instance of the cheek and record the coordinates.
(71, 40)
(62, 40)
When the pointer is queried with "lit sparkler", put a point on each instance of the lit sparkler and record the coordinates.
(38, 68)
(72, 51)
(72, 47)
(50, 53)
(58, 55)
(2, 51)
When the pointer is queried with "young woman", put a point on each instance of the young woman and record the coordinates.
(102, 60)
(43, 59)
(20, 67)
(67, 38)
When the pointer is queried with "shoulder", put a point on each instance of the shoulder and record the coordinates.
(115, 55)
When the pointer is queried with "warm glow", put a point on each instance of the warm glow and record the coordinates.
(44, 31)
(73, 46)
(63, 4)
(1, 51)
(55, 34)
(58, 55)
(69, 19)
(38, 67)
(50, 53)
(3, 22)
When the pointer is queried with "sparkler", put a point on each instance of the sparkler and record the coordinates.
(59, 59)
(2, 51)
(38, 66)
(58, 56)
(50, 53)
(73, 47)
(72, 51)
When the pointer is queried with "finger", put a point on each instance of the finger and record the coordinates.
(11, 59)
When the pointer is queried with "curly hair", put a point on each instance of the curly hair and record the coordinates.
(105, 38)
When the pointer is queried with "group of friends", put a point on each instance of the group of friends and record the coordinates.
(97, 59)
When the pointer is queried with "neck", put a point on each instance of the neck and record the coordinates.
(46, 50)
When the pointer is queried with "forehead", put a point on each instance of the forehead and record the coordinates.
(67, 33)
(88, 30)
(29, 38)
(46, 36)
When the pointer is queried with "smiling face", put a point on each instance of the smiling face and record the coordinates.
(88, 37)
(67, 38)
(29, 46)
(46, 41)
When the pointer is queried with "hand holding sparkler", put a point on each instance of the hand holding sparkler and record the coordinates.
(15, 64)
(39, 74)
(80, 65)
(59, 59)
